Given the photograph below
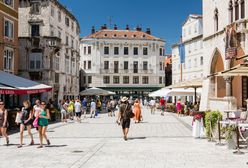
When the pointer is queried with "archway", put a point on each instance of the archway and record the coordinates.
(219, 84)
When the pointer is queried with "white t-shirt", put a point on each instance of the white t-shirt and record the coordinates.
(152, 102)
(92, 105)
(77, 106)
(37, 110)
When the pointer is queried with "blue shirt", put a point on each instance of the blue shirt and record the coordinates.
(84, 103)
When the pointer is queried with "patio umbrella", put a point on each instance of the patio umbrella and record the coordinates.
(96, 92)
(183, 92)
(159, 93)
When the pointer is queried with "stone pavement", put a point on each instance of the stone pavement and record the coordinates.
(159, 142)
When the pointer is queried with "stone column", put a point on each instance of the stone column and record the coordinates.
(228, 80)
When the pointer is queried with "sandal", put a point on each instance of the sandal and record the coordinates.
(40, 146)
(19, 146)
(48, 142)
(7, 141)
(32, 142)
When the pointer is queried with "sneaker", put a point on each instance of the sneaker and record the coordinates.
(48, 142)
(19, 146)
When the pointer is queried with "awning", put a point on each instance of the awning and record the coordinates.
(12, 84)
(239, 70)
(175, 92)
(96, 92)
(194, 83)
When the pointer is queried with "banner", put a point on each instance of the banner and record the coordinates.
(231, 42)
(181, 49)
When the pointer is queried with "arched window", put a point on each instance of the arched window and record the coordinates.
(216, 20)
(236, 5)
(242, 3)
(230, 9)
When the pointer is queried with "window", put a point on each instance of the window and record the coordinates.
(8, 60)
(236, 5)
(160, 80)
(216, 20)
(242, 3)
(72, 26)
(135, 51)
(52, 11)
(125, 50)
(8, 29)
(145, 80)
(230, 9)
(106, 64)
(161, 51)
(56, 80)
(125, 65)
(67, 40)
(116, 79)
(35, 8)
(35, 61)
(201, 60)
(89, 64)
(106, 50)
(89, 50)
(84, 64)
(116, 50)
(56, 63)
(145, 51)
(67, 21)
(67, 65)
(72, 43)
(160, 66)
(106, 79)
(59, 16)
(135, 67)
(145, 63)
(116, 66)
(126, 79)
(135, 80)
(84, 50)
(35, 30)
(9, 2)
(89, 79)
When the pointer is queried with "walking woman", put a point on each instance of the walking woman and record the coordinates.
(179, 107)
(3, 121)
(137, 111)
(63, 111)
(43, 123)
(26, 121)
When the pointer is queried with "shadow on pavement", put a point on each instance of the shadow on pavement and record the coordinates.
(55, 146)
(133, 138)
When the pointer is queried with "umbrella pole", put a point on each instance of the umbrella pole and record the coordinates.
(195, 94)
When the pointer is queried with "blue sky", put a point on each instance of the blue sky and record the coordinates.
(164, 17)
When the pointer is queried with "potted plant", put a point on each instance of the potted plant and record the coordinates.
(211, 119)
(230, 135)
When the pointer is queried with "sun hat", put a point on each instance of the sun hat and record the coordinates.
(124, 99)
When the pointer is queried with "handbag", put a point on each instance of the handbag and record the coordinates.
(129, 113)
(36, 122)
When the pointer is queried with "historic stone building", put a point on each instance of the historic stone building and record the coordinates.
(49, 46)
(225, 37)
(128, 62)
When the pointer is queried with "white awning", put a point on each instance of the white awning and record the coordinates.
(176, 92)
(194, 83)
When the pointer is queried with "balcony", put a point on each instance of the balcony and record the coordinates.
(126, 71)
(53, 42)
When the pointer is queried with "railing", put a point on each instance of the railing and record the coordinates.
(126, 71)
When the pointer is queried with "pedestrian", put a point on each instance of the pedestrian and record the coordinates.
(70, 109)
(137, 111)
(4, 121)
(125, 113)
(36, 108)
(162, 105)
(63, 111)
(44, 116)
(179, 107)
(26, 121)
(98, 106)
(78, 110)
(145, 102)
(92, 109)
(84, 103)
(152, 106)
(112, 106)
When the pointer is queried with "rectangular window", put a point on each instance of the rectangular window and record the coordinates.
(89, 64)
(56, 78)
(161, 51)
(242, 3)
(145, 67)
(35, 8)
(135, 51)
(116, 66)
(59, 16)
(67, 21)
(9, 2)
(135, 80)
(72, 43)
(125, 65)
(89, 79)
(67, 65)
(84, 50)
(135, 67)
(116, 79)
(8, 29)
(201, 60)
(236, 10)
(125, 50)
(35, 30)
(67, 40)
(145, 51)
(126, 79)
(106, 50)
(56, 63)
(116, 50)
(84, 64)
(160, 80)
(145, 80)
(8, 60)
(89, 50)
(160, 66)
(35, 61)
(106, 64)
(106, 79)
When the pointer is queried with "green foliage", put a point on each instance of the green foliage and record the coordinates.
(228, 130)
(211, 116)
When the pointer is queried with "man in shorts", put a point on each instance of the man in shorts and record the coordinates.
(162, 105)
(78, 110)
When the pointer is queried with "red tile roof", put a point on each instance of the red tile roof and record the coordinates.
(122, 34)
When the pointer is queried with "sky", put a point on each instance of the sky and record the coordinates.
(164, 17)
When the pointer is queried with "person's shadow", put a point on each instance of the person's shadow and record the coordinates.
(133, 138)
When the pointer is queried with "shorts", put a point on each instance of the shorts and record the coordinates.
(78, 114)
(125, 123)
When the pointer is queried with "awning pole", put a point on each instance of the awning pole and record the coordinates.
(195, 94)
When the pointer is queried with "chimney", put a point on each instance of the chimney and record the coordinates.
(93, 30)
(127, 27)
(148, 31)
(115, 27)
(138, 28)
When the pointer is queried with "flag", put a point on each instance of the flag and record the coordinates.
(181, 49)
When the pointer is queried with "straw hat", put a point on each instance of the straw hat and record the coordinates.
(124, 99)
